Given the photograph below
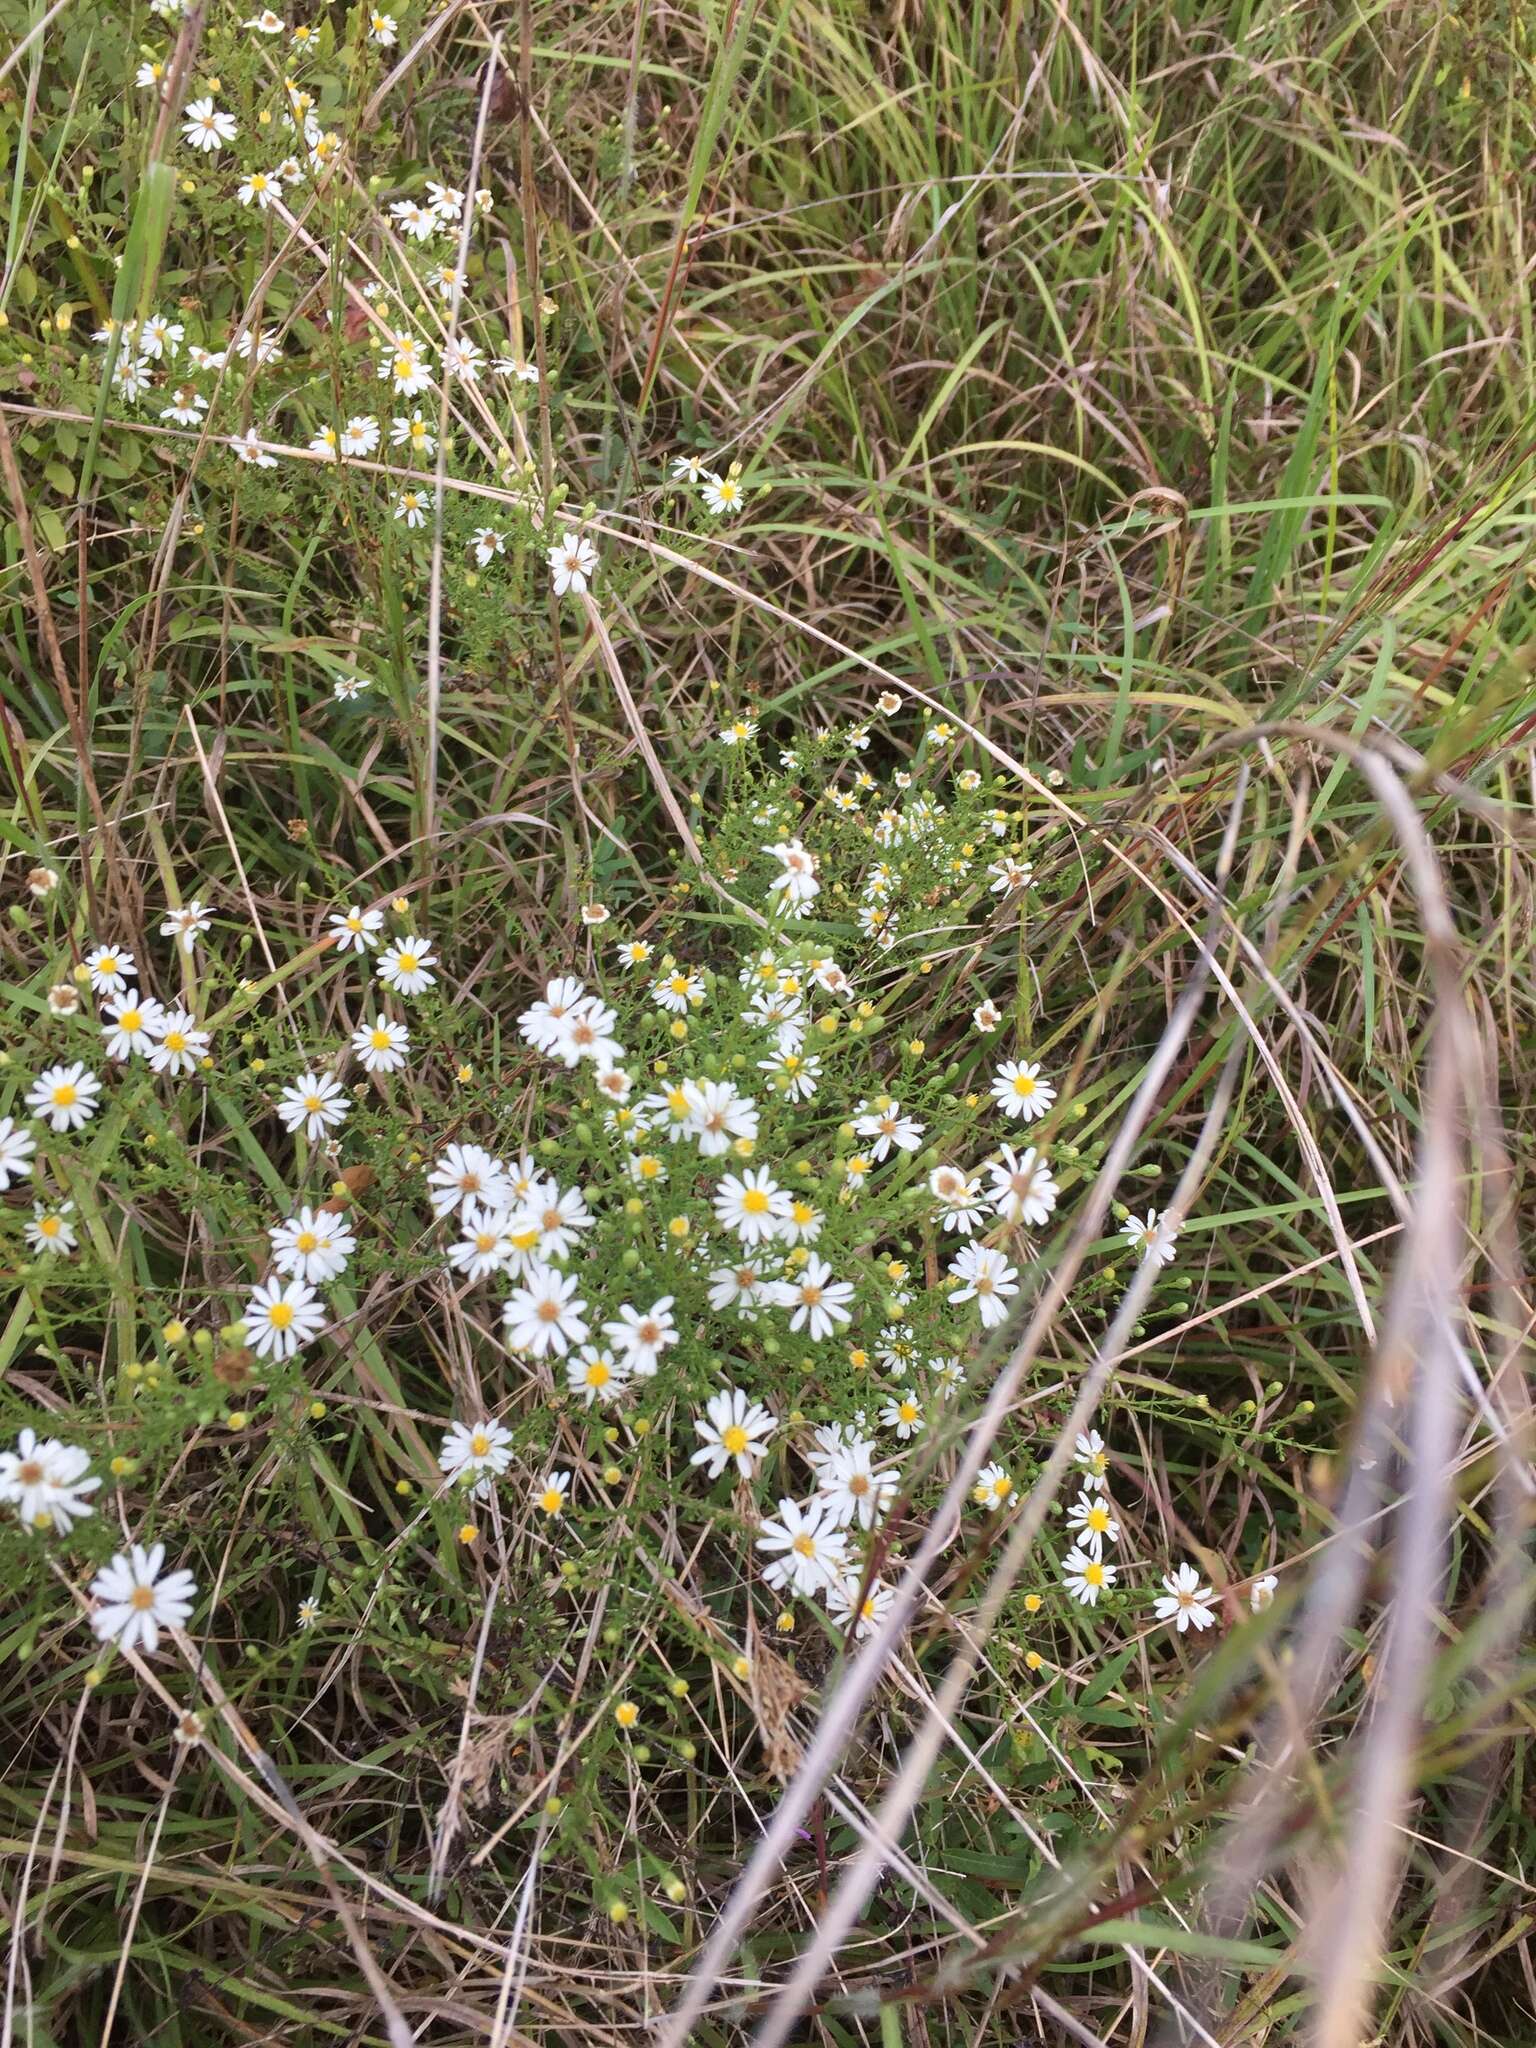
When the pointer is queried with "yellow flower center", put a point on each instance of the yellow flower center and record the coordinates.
(479, 1444)
(754, 1202)
(734, 1439)
(552, 1500)
(379, 1040)
(280, 1315)
(858, 1485)
(907, 1411)
(48, 1226)
(313, 1103)
(175, 1041)
(306, 1241)
(142, 1598)
(597, 1374)
(810, 1294)
(132, 1020)
(64, 1095)
(805, 1546)
(30, 1473)
(1023, 1084)
(1093, 1574)
(407, 963)
(549, 1311)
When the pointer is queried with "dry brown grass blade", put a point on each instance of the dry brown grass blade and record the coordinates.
(1418, 1361)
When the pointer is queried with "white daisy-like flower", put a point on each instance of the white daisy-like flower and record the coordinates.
(752, 1204)
(806, 1549)
(187, 406)
(326, 443)
(383, 30)
(795, 1075)
(381, 1046)
(743, 1288)
(186, 925)
(360, 436)
(486, 543)
(463, 358)
(413, 433)
(688, 469)
(1086, 1577)
(857, 1488)
(132, 1024)
(67, 1096)
(572, 564)
(546, 1315)
(313, 1104)
(17, 1147)
(1008, 874)
(47, 1482)
(1185, 1601)
(474, 1449)
(993, 1488)
(281, 1317)
(1018, 1090)
(735, 1430)
(796, 882)
(348, 685)
(542, 1022)
(313, 1247)
(249, 449)
(678, 991)
(551, 1493)
(483, 1249)
(738, 732)
(818, 1304)
(50, 1231)
(1092, 1522)
(1151, 1236)
(586, 1033)
(595, 1373)
(987, 1279)
(863, 1611)
(722, 494)
(111, 968)
(803, 1223)
(634, 952)
(959, 1197)
(179, 1047)
(404, 966)
(136, 1597)
(562, 1215)
(1261, 1594)
(355, 930)
(640, 1336)
(412, 506)
(206, 126)
(266, 23)
(1022, 1190)
(890, 1130)
(1089, 1452)
(986, 1016)
(720, 1116)
(259, 188)
(469, 1174)
(905, 1415)
(406, 367)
